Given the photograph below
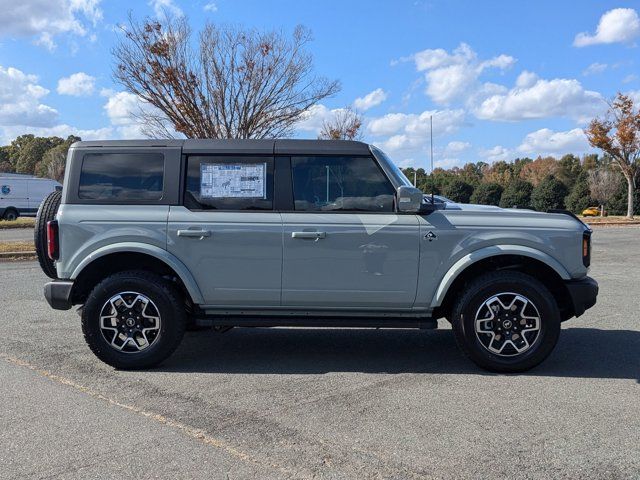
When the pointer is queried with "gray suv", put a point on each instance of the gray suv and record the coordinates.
(153, 237)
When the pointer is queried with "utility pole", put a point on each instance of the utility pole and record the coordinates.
(431, 144)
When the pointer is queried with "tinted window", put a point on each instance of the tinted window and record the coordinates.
(229, 183)
(340, 183)
(122, 176)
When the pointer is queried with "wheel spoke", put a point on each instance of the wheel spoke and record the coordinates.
(507, 324)
(130, 322)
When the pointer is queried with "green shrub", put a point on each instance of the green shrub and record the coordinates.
(458, 191)
(580, 196)
(487, 194)
(517, 194)
(549, 194)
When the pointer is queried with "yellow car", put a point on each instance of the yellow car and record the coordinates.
(592, 212)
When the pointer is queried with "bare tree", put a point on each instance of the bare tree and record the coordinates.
(618, 134)
(345, 125)
(603, 184)
(235, 83)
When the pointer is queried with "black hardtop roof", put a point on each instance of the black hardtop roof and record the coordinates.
(271, 146)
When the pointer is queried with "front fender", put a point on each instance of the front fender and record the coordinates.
(492, 251)
(181, 270)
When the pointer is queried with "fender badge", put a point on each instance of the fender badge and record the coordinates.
(431, 236)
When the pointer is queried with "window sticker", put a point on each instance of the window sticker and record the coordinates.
(230, 180)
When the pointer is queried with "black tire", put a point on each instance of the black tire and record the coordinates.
(473, 299)
(165, 298)
(10, 215)
(46, 213)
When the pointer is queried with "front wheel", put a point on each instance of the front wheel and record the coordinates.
(506, 322)
(133, 320)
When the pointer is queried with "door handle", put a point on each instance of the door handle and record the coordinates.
(312, 235)
(194, 233)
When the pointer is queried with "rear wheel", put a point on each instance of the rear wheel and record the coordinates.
(506, 322)
(10, 214)
(47, 212)
(133, 320)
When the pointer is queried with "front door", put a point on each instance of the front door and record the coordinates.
(344, 244)
(227, 232)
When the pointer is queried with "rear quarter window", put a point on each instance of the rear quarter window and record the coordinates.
(122, 177)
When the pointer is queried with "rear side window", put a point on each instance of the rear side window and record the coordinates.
(229, 183)
(340, 183)
(122, 177)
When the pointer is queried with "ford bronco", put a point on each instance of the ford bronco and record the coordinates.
(152, 237)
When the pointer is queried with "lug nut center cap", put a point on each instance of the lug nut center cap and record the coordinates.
(507, 324)
(130, 322)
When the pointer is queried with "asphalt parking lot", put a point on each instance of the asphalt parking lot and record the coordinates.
(283, 403)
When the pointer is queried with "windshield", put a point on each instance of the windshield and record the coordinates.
(392, 167)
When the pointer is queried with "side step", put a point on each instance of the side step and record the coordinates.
(335, 322)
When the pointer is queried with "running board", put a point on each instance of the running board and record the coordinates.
(335, 322)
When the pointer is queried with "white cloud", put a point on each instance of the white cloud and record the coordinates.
(7, 134)
(122, 108)
(541, 99)
(408, 135)
(457, 147)
(47, 19)
(496, 153)
(210, 7)
(632, 77)
(617, 25)
(547, 142)
(77, 85)
(454, 76)
(20, 100)
(526, 79)
(162, 7)
(594, 68)
(370, 100)
(417, 125)
(388, 124)
(313, 118)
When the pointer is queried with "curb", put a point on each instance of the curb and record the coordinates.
(614, 224)
(10, 255)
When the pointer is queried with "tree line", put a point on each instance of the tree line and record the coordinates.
(39, 156)
(543, 183)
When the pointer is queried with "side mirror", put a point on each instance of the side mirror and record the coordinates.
(409, 199)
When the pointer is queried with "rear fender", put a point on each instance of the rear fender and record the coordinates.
(170, 260)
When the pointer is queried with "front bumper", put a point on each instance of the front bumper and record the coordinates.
(583, 294)
(58, 294)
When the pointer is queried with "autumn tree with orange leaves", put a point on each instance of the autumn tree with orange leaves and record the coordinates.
(618, 135)
(229, 83)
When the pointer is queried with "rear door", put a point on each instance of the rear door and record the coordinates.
(227, 232)
(344, 244)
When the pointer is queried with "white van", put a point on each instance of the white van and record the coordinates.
(21, 195)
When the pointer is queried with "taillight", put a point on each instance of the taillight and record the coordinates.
(586, 248)
(53, 249)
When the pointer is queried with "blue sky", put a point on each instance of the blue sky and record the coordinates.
(502, 79)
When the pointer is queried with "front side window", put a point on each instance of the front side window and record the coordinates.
(340, 183)
(122, 177)
(229, 183)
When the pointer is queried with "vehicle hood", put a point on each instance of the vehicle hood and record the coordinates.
(469, 213)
